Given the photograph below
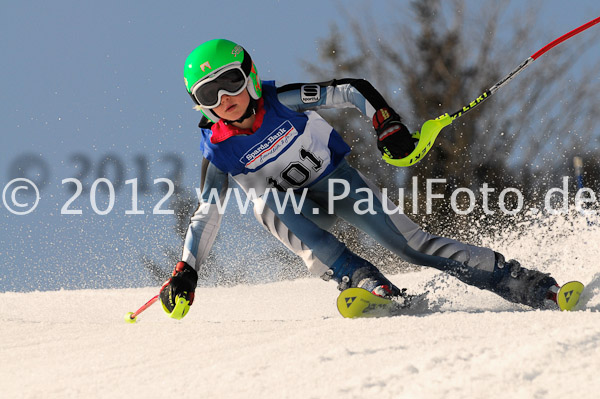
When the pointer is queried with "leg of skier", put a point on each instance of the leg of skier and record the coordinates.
(305, 233)
(480, 267)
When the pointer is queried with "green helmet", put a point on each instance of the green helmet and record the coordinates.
(212, 58)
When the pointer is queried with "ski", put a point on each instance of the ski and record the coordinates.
(568, 295)
(358, 302)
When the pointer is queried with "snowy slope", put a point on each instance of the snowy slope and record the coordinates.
(286, 340)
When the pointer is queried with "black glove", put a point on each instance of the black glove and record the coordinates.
(393, 138)
(177, 293)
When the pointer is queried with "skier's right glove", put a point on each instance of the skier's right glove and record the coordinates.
(177, 293)
(393, 138)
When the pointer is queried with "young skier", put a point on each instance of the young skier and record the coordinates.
(269, 137)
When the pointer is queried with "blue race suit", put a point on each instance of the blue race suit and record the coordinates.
(295, 148)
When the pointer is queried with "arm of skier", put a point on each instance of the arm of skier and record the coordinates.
(206, 220)
(336, 93)
(393, 138)
(200, 236)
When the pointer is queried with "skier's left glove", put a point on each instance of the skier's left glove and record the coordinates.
(393, 138)
(177, 293)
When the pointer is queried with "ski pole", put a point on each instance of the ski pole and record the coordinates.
(521, 68)
(432, 128)
(131, 316)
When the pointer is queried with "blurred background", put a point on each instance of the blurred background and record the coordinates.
(95, 90)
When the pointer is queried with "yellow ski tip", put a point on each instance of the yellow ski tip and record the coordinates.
(358, 302)
(568, 295)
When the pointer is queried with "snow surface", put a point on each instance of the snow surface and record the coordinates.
(286, 340)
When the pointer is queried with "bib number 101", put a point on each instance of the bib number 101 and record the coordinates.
(297, 173)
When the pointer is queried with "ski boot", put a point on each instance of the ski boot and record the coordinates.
(520, 285)
(352, 271)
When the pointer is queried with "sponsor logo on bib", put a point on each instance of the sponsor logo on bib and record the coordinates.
(270, 146)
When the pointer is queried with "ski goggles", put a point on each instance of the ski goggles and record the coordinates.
(230, 80)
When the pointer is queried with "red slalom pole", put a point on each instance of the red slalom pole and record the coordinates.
(131, 316)
(521, 67)
(565, 37)
(432, 128)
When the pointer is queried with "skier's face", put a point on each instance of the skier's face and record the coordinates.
(233, 107)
